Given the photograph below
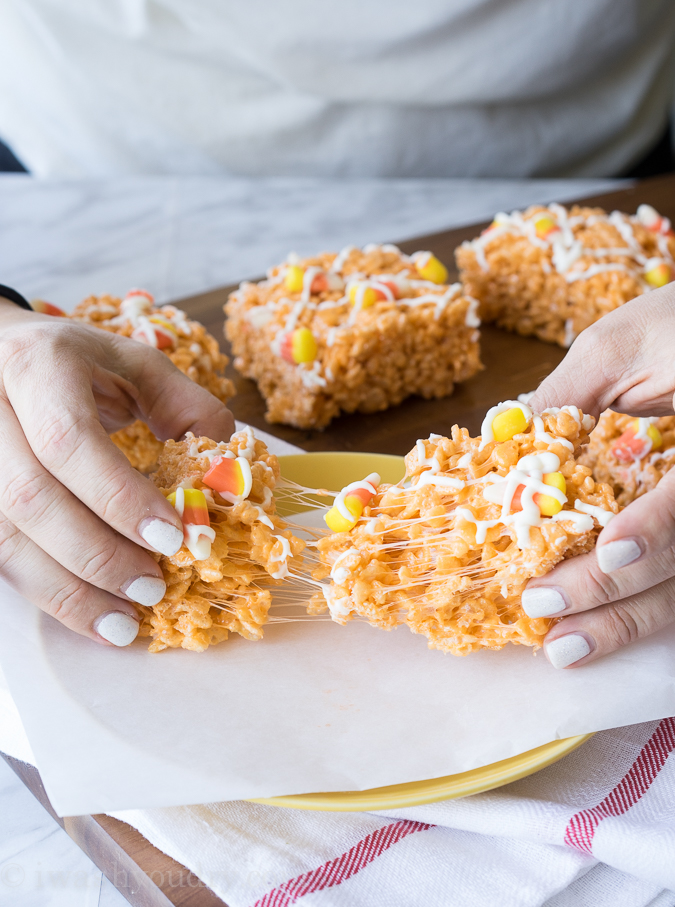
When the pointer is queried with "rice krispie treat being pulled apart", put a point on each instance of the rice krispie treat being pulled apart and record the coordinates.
(632, 455)
(236, 547)
(187, 344)
(357, 331)
(551, 272)
(448, 550)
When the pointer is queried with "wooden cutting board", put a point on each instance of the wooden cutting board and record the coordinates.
(146, 876)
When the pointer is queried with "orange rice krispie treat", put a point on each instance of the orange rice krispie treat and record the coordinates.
(449, 549)
(553, 272)
(236, 547)
(632, 455)
(357, 331)
(187, 344)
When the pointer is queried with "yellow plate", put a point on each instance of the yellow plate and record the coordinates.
(333, 471)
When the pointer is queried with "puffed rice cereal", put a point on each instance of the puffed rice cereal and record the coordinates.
(632, 455)
(448, 550)
(236, 546)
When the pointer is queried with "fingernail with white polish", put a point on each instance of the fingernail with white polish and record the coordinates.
(614, 555)
(565, 650)
(146, 590)
(542, 602)
(161, 536)
(117, 627)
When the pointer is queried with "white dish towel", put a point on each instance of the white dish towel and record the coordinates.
(596, 828)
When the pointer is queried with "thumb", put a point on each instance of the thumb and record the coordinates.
(622, 361)
(170, 402)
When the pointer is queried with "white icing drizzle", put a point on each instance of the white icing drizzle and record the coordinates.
(307, 281)
(282, 558)
(472, 320)
(529, 472)
(341, 258)
(338, 573)
(540, 434)
(593, 270)
(601, 515)
(486, 432)
(338, 605)
(423, 460)
(431, 478)
(581, 521)
(570, 334)
(482, 526)
(311, 376)
(465, 460)
(198, 540)
(262, 516)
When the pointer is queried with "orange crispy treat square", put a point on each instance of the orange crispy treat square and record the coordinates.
(416, 556)
(633, 479)
(367, 358)
(555, 286)
(230, 590)
(195, 353)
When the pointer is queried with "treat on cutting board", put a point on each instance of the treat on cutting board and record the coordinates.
(354, 332)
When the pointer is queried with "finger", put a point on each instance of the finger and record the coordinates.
(37, 504)
(89, 611)
(66, 436)
(635, 551)
(170, 402)
(582, 638)
(622, 361)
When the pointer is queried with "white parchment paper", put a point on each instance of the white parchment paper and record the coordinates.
(314, 706)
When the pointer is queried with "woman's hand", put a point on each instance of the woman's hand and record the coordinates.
(77, 523)
(625, 588)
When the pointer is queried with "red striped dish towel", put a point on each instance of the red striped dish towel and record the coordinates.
(596, 828)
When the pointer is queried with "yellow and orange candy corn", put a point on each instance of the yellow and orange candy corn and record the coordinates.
(659, 274)
(299, 346)
(46, 308)
(355, 498)
(547, 504)
(508, 424)
(294, 280)
(628, 447)
(544, 226)
(430, 268)
(225, 477)
(195, 511)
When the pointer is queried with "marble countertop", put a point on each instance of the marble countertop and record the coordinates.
(62, 241)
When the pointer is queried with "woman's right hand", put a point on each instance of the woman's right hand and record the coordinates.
(77, 522)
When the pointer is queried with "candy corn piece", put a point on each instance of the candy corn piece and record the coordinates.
(508, 424)
(652, 220)
(430, 268)
(46, 308)
(363, 293)
(350, 504)
(547, 504)
(294, 279)
(299, 346)
(385, 289)
(628, 447)
(190, 504)
(156, 331)
(226, 476)
(658, 275)
(544, 226)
